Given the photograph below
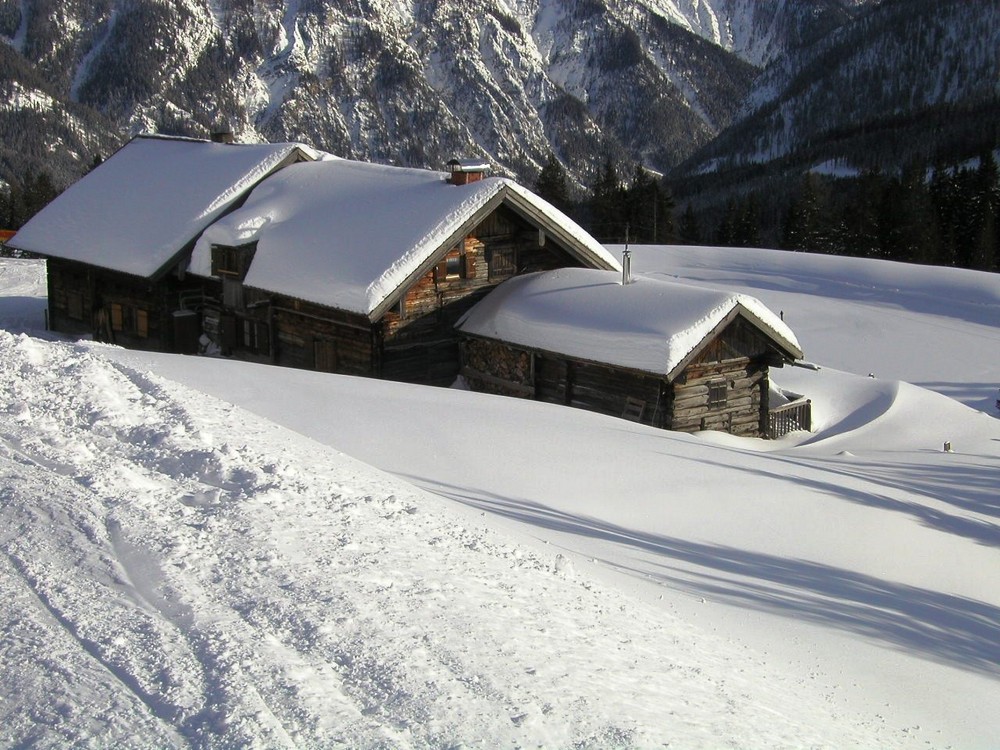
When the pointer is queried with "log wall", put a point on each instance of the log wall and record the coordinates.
(314, 337)
(717, 391)
(81, 299)
(745, 409)
(418, 340)
(493, 367)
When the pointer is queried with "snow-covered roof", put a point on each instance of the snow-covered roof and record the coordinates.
(149, 200)
(352, 235)
(647, 325)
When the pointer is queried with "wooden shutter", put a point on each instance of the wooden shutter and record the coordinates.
(227, 332)
(116, 316)
(74, 305)
(141, 323)
(325, 353)
(263, 343)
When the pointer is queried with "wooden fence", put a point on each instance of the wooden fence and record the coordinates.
(793, 416)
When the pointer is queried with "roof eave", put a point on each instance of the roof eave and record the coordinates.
(739, 310)
(432, 258)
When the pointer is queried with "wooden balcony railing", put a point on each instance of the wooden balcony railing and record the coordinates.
(790, 417)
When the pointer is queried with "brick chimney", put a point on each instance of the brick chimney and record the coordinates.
(464, 171)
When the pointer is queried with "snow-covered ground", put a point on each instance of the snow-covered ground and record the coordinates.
(200, 553)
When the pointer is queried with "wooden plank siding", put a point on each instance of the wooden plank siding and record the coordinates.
(736, 361)
(417, 337)
(494, 367)
(608, 390)
(744, 411)
(314, 337)
(128, 310)
(725, 387)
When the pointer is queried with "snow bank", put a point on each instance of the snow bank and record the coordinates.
(931, 326)
(177, 570)
(179, 573)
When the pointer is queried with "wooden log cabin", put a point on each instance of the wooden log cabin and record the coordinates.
(664, 354)
(118, 241)
(364, 269)
(279, 253)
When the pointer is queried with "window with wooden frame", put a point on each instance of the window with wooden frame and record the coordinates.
(502, 262)
(455, 265)
(718, 394)
(130, 320)
(232, 261)
(255, 336)
(325, 355)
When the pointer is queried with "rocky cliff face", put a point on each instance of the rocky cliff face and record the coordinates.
(402, 81)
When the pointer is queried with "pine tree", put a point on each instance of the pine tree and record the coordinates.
(609, 213)
(666, 232)
(747, 227)
(552, 184)
(650, 208)
(943, 189)
(907, 225)
(861, 220)
(640, 205)
(799, 226)
(808, 223)
(725, 234)
(690, 231)
(984, 250)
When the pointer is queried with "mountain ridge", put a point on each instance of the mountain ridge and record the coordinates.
(411, 83)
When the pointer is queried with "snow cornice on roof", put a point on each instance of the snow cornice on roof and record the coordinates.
(141, 211)
(356, 236)
(649, 326)
(570, 236)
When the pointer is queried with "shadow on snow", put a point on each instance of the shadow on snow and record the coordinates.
(953, 630)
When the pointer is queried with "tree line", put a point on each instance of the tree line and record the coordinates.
(619, 207)
(944, 215)
(21, 200)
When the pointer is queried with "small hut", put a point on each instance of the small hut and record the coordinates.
(665, 354)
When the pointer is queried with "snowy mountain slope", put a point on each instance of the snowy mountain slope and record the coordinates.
(411, 83)
(832, 100)
(760, 32)
(857, 565)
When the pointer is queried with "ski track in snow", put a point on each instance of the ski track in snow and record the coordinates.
(160, 583)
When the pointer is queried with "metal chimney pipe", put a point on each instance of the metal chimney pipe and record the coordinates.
(626, 266)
